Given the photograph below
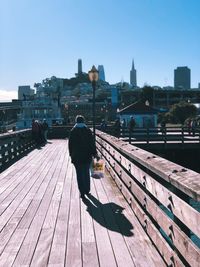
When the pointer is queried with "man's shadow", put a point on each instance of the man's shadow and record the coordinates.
(109, 215)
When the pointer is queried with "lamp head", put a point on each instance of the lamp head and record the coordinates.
(93, 74)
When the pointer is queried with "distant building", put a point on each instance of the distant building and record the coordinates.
(144, 115)
(45, 104)
(182, 78)
(80, 66)
(133, 78)
(25, 92)
(199, 85)
(101, 73)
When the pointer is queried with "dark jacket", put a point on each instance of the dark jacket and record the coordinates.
(81, 145)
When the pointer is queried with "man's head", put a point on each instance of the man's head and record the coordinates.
(80, 119)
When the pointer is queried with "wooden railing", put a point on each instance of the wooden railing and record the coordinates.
(13, 145)
(164, 196)
(157, 135)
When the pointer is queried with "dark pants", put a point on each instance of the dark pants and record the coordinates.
(83, 177)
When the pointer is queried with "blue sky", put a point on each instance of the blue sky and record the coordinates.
(39, 39)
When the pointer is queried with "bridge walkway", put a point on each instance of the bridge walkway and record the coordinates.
(43, 222)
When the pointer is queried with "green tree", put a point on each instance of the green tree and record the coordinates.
(179, 112)
(147, 94)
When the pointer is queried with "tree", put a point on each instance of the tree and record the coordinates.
(179, 112)
(147, 94)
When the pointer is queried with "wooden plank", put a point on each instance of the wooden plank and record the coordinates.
(18, 197)
(73, 249)
(29, 244)
(156, 237)
(26, 208)
(179, 239)
(104, 247)
(143, 251)
(19, 169)
(42, 251)
(8, 256)
(89, 250)
(122, 253)
(58, 249)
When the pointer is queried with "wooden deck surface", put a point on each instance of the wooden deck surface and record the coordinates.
(43, 222)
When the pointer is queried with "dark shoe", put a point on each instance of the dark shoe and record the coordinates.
(82, 196)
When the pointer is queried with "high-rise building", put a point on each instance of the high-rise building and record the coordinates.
(101, 73)
(79, 66)
(133, 78)
(182, 78)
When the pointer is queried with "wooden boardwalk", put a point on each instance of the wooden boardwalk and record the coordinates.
(43, 222)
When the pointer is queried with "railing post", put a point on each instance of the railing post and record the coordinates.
(199, 133)
(182, 134)
(165, 135)
(147, 135)
(129, 136)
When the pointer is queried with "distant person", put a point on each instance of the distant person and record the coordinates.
(131, 127)
(45, 128)
(103, 126)
(189, 126)
(163, 126)
(123, 124)
(41, 134)
(193, 127)
(132, 123)
(35, 131)
(81, 149)
(117, 128)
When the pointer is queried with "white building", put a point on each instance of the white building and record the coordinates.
(45, 104)
(24, 92)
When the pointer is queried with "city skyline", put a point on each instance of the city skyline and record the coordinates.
(159, 36)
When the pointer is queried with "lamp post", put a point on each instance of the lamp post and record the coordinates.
(93, 76)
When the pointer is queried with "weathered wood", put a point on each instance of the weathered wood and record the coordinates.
(156, 237)
(124, 163)
(57, 254)
(29, 244)
(73, 248)
(142, 249)
(89, 249)
(48, 225)
(42, 251)
(103, 243)
(179, 239)
(122, 254)
(178, 207)
(186, 181)
(13, 145)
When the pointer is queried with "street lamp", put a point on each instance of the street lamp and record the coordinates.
(93, 76)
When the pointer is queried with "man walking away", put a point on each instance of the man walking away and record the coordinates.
(81, 149)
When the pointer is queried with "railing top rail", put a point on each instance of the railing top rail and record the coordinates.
(186, 180)
(10, 134)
